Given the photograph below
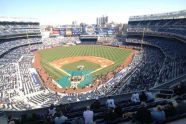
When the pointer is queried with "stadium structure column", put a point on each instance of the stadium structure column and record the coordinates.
(142, 43)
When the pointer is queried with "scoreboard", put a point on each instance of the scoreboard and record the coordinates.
(62, 31)
(76, 31)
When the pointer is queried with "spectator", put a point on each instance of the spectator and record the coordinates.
(96, 104)
(143, 96)
(10, 120)
(110, 103)
(143, 115)
(150, 96)
(179, 89)
(52, 110)
(65, 108)
(88, 116)
(181, 106)
(135, 98)
(158, 115)
(49, 118)
(109, 115)
(169, 110)
(60, 118)
(118, 111)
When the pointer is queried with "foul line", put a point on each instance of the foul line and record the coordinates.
(62, 70)
(95, 70)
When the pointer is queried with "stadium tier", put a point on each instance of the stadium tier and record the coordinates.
(116, 80)
(17, 27)
(167, 24)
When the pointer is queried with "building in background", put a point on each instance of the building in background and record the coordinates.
(124, 29)
(102, 21)
(74, 23)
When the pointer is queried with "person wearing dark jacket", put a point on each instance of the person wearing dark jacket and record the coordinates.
(95, 105)
(169, 110)
(179, 89)
(181, 106)
(143, 115)
(109, 115)
(118, 111)
(143, 96)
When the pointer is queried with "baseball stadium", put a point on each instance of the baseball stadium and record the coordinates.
(103, 73)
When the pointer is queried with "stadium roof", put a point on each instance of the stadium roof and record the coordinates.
(170, 15)
(18, 19)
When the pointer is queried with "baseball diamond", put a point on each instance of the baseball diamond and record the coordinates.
(80, 66)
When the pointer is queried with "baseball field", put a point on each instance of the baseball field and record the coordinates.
(89, 61)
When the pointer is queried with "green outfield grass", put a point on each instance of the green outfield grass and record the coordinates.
(87, 65)
(117, 55)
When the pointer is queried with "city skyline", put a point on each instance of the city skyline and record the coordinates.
(67, 11)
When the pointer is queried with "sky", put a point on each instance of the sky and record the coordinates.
(86, 11)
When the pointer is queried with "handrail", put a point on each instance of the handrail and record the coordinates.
(180, 78)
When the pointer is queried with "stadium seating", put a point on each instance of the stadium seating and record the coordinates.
(15, 28)
(170, 26)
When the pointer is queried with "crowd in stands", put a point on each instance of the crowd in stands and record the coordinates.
(168, 27)
(14, 63)
(9, 28)
(6, 46)
(146, 72)
(174, 63)
(59, 41)
(111, 40)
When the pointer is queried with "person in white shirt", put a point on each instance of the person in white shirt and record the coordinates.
(110, 103)
(150, 96)
(88, 116)
(135, 98)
